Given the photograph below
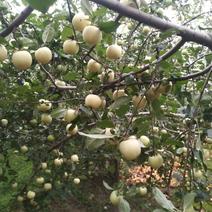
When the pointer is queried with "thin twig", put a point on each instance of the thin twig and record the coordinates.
(66, 87)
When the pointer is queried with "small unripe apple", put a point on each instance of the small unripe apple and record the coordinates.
(31, 194)
(4, 122)
(14, 185)
(142, 191)
(80, 21)
(70, 47)
(92, 35)
(70, 115)
(146, 30)
(47, 186)
(24, 149)
(3, 53)
(33, 122)
(20, 199)
(155, 161)
(76, 180)
(93, 66)
(44, 105)
(155, 130)
(130, 148)
(93, 101)
(139, 102)
(114, 52)
(60, 83)
(74, 158)
(58, 161)
(46, 119)
(71, 129)
(40, 180)
(114, 198)
(107, 76)
(51, 138)
(48, 171)
(44, 165)
(184, 149)
(118, 93)
(163, 131)
(145, 140)
(43, 55)
(22, 60)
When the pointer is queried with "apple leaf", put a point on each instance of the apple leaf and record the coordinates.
(124, 206)
(188, 201)
(107, 186)
(42, 6)
(109, 26)
(48, 34)
(163, 201)
(96, 136)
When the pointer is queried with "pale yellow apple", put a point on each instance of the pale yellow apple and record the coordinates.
(114, 52)
(43, 55)
(70, 47)
(119, 93)
(93, 101)
(93, 66)
(130, 148)
(155, 161)
(22, 59)
(46, 119)
(92, 35)
(80, 21)
(70, 115)
(3, 53)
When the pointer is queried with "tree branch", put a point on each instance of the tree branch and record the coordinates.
(172, 50)
(160, 59)
(18, 21)
(66, 87)
(187, 34)
(171, 79)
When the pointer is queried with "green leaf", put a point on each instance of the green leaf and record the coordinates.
(109, 26)
(188, 202)
(66, 33)
(58, 113)
(124, 206)
(156, 108)
(92, 144)
(48, 34)
(42, 6)
(21, 166)
(162, 200)
(86, 7)
(6, 196)
(124, 100)
(105, 123)
(96, 136)
(107, 186)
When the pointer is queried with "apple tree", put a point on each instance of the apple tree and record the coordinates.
(106, 95)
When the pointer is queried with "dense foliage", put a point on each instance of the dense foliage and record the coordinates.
(145, 134)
